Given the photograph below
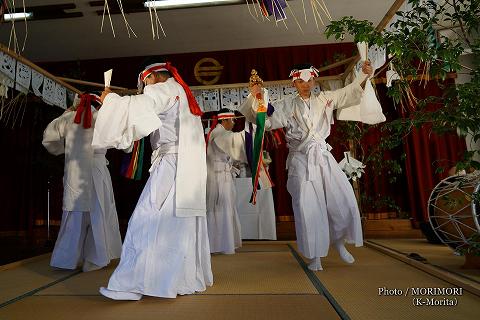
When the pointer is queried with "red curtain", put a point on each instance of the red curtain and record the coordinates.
(427, 151)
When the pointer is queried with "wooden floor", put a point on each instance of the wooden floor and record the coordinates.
(264, 280)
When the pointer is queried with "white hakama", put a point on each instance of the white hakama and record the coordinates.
(89, 232)
(163, 255)
(166, 250)
(323, 200)
(224, 228)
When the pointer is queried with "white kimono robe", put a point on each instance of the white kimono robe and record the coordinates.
(224, 229)
(323, 200)
(89, 230)
(166, 250)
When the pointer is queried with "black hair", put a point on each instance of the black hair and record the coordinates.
(301, 66)
(224, 110)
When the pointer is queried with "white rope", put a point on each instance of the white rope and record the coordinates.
(158, 22)
(127, 25)
(151, 21)
(26, 26)
(250, 11)
(314, 16)
(304, 11)
(294, 17)
(107, 8)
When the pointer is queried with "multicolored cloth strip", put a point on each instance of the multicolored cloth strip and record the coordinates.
(275, 8)
(257, 161)
(132, 164)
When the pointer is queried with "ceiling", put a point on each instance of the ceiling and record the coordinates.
(71, 29)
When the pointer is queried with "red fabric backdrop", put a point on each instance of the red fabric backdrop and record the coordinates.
(427, 151)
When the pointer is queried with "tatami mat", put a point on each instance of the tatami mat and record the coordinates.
(436, 254)
(356, 287)
(242, 273)
(262, 282)
(198, 307)
(258, 273)
(260, 247)
(25, 278)
(85, 283)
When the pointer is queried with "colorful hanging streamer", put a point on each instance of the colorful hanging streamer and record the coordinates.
(257, 160)
(132, 164)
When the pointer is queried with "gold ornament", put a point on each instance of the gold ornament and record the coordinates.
(255, 79)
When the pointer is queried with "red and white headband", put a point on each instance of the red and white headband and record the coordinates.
(304, 74)
(155, 67)
(225, 115)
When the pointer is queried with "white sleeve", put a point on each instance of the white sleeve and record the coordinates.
(123, 120)
(280, 115)
(348, 96)
(54, 134)
(278, 119)
(233, 144)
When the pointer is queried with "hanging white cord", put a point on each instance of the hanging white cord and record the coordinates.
(107, 8)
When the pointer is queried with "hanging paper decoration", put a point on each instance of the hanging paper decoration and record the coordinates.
(23, 76)
(60, 99)
(230, 98)
(351, 166)
(275, 92)
(244, 92)
(199, 98)
(211, 100)
(49, 91)
(37, 81)
(132, 163)
(7, 67)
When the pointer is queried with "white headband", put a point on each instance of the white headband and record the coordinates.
(225, 115)
(154, 67)
(304, 74)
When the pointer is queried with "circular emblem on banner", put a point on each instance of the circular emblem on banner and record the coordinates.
(208, 71)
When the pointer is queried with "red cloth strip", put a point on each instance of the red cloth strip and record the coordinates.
(192, 103)
(84, 107)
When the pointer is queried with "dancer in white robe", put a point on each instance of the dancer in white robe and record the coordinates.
(324, 204)
(224, 147)
(89, 233)
(166, 250)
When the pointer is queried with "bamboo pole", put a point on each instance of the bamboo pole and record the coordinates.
(220, 86)
(265, 83)
(451, 75)
(217, 86)
(37, 68)
(381, 25)
(92, 84)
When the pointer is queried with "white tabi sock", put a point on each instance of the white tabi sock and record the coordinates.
(315, 264)
(344, 254)
(120, 295)
(89, 266)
